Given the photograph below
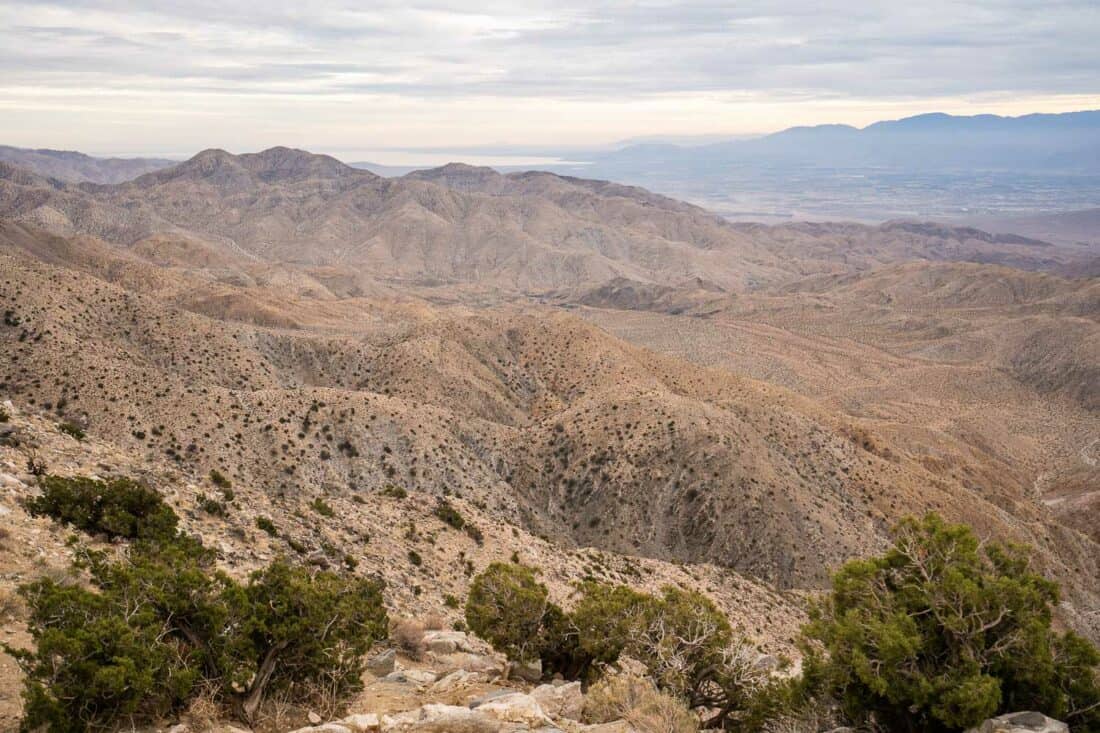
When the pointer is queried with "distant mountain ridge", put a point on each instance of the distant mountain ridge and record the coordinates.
(74, 167)
(934, 141)
(527, 232)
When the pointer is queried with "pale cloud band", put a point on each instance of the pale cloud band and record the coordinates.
(141, 76)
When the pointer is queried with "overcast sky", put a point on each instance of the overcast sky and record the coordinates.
(350, 78)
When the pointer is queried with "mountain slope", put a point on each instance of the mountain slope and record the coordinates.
(557, 426)
(74, 167)
(463, 227)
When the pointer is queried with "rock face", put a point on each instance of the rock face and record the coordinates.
(450, 642)
(517, 707)
(1026, 722)
(382, 664)
(560, 701)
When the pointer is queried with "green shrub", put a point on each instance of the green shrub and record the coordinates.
(394, 491)
(162, 621)
(474, 532)
(943, 631)
(72, 429)
(606, 617)
(447, 514)
(267, 526)
(212, 506)
(298, 627)
(93, 667)
(117, 507)
(415, 559)
(322, 507)
(681, 637)
(507, 607)
(218, 479)
(4, 416)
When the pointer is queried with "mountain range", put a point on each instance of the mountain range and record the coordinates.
(928, 142)
(602, 378)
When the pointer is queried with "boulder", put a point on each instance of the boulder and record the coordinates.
(444, 642)
(383, 663)
(1025, 722)
(434, 718)
(560, 701)
(363, 722)
(456, 679)
(324, 728)
(518, 707)
(414, 676)
(493, 695)
(615, 726)
(313, 718)
(526, 671)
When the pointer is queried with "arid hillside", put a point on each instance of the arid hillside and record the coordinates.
(986, 373)
(74, 167)
(308, 360)
(462, 226)
(538, 417)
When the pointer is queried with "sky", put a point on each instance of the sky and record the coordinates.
(363, 79)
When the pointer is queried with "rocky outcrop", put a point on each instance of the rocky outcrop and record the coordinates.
(550, 708)
(563, 700)
(1025, 722)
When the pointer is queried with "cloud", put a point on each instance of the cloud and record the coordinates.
(599, 52)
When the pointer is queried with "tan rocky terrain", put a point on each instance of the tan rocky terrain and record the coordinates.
(604, 381)
(378, 531)
(571, 433)
(987, 373)
(457, 225)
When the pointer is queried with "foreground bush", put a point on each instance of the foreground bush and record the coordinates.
(942, 632)
(684, 642)
(508, 608)
(117, 507)
(160, 623)
(637, 701)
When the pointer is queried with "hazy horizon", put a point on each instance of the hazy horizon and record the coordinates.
(95, 76)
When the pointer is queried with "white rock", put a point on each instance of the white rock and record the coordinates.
(560, 701)
(470, 663)
(1026, 722)
(416, 676)
(518, 707)
(456, 679)
(615, 726)
(449, 642)
(435, 718)
(326, 728)
(313, 718)
(11, 482)
(362, 722)
(383, 663)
